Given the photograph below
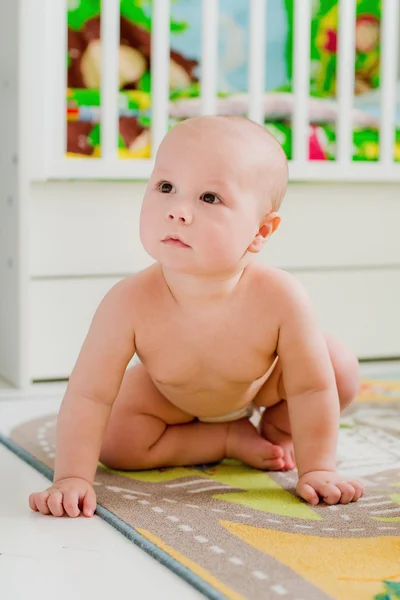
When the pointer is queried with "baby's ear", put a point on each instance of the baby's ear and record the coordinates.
(269, 224)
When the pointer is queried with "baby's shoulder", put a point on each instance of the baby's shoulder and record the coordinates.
(130, 293)
(276, 282)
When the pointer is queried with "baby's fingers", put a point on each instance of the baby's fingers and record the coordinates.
(38, 502)
(55, 503)
(308, 493)
(347, 491)
(330, 493)
(71, 504)
(32, 502)
(89, 503)
(359, 489)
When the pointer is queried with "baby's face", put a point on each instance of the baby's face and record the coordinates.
(202, 192)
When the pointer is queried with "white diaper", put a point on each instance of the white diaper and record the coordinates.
(241, 413)
(246, 411)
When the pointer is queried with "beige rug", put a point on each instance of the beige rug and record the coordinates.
(235, 532)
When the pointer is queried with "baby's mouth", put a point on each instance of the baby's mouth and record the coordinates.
(172, 240)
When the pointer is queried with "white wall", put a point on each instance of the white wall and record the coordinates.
(11, 241)
(340, 240)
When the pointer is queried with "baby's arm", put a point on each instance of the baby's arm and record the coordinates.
(312, 399)
(86, 407)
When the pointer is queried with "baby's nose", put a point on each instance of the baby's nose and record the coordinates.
(179, 214)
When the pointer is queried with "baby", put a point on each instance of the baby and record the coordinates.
(218, 335)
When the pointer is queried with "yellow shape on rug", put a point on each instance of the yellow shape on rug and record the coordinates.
(343, 568)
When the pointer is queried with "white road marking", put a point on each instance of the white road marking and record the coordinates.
(242, 515)
(185, 527)
(143, 502)
(185, 483)
(346, 517)
(358, 529)
(304, 526)
(328, 529)
(192, 505)
(217, 550)
(218, 510)
(333, 507)
(208, 489)
(235, 560)
(173, 519)
(169, 500)
(385, 512)
(260, 575)
(114, 488)
(201, 539)
(274, 521)
(157, 509)
(279, 589)
(129, 497)
(368, 498)
(387, 527)
(376, 504)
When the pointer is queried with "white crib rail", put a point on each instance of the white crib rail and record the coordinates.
(257, 53)
(160, 71)
(389, 54)
(109, 166)
(345, 81)
(109, 79)
(301, 77)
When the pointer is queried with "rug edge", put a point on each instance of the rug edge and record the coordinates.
(126, 530)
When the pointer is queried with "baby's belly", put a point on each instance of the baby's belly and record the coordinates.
(212, 399)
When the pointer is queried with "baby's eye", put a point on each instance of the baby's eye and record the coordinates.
(165, 187)
(210, 198)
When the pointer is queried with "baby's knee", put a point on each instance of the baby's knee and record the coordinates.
(347, 374)
(346, 368)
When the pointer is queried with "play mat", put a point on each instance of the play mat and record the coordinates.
(240, 534)
(84, 73)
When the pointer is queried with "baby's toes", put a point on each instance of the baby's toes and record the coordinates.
(273, 464)
(289, 459)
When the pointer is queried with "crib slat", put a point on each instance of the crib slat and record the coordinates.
(345, 79)
(160, 58)
(109, 78)
(388, 75)
(257, 50)
(209, 57)
(301, 78)
(56, 80)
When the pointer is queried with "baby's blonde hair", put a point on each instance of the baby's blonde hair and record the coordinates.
(275, 166)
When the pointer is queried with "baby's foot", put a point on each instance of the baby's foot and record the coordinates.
(282, 439)
(246, 444)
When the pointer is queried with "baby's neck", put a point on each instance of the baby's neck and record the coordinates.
(194, 292)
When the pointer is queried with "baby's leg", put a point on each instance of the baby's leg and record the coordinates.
(146, 431)
(275, 424)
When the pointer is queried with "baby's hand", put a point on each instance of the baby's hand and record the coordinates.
(329, 486)
(70, 496)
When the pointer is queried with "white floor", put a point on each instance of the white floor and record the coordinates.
(74, 558)
(83, 559)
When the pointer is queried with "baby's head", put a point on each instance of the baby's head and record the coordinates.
(217, 184)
